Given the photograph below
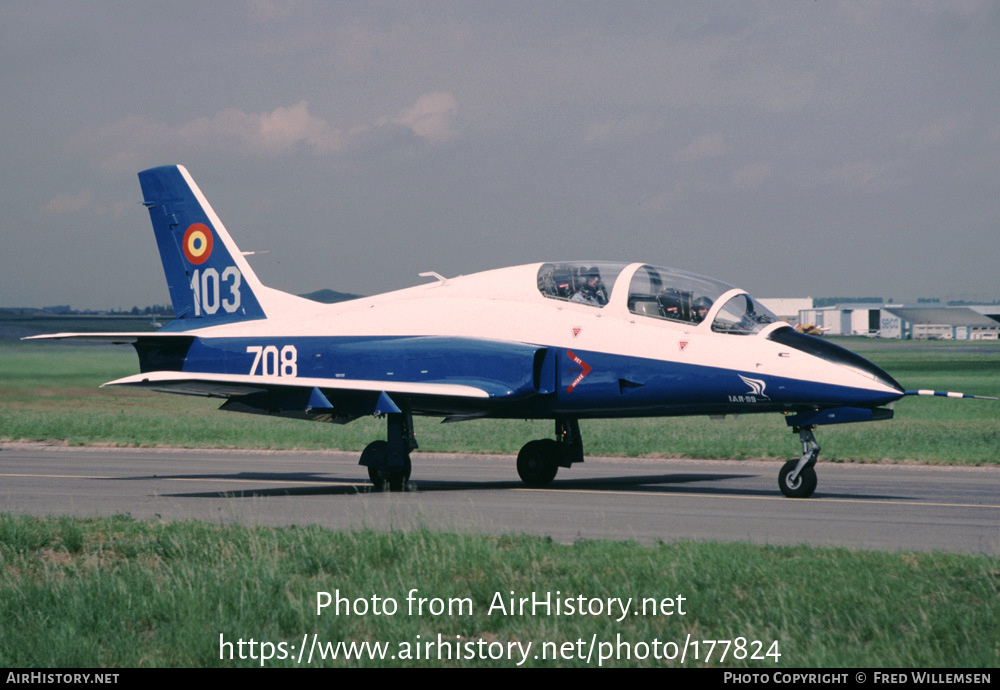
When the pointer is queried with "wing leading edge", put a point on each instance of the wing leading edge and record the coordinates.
(324, 399)
(226, 385)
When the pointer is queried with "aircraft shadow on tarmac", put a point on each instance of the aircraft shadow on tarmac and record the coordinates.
(327, 485)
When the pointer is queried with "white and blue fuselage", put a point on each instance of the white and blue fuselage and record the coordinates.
(517, 352)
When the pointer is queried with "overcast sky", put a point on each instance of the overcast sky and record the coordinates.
(797, 148)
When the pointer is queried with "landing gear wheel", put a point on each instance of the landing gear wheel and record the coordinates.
(803, 486)
(538, 462)
(374, 454)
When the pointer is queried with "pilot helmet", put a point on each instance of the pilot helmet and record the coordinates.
(701, 307)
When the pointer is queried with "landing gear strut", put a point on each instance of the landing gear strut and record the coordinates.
(539, 461)
(388, 462)
(797, 478)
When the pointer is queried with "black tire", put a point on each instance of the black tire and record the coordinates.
(538, 462)
(374, 455)
(803, 486)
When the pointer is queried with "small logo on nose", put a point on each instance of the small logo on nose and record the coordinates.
(756, 386)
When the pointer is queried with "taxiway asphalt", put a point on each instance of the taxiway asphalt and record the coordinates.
(894, 507)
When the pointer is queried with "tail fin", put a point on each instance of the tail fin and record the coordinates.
(209, 279)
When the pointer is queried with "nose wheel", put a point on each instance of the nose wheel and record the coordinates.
(800, 485)
(797, 478)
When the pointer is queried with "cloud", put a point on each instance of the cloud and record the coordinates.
(284, 130)
(65, 204)
(62, 204)
(750, 176)
(264, 134)
(706, 146)
(432, 117)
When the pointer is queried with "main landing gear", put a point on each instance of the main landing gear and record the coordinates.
(388, 462)
(538, 461)
(797, 478)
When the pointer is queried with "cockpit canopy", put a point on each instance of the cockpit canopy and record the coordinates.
(579, 281)
(658, 293)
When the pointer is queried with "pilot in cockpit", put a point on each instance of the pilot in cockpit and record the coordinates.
(592, 290)
(701, 307)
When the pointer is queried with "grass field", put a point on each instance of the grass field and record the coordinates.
(120, 592)
(50, 392)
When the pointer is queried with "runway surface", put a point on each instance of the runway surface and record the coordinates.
(895, 507)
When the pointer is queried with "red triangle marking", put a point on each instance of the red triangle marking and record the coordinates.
(583, 374)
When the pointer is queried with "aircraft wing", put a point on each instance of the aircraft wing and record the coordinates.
(487, 376)
(227, 385)
(325, 399)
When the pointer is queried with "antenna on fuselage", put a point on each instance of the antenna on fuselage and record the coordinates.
(434, 274)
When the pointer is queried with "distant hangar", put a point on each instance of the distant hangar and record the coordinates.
(938, 323)
(978, 322)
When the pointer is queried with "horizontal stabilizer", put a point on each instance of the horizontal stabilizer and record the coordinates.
(115, 338)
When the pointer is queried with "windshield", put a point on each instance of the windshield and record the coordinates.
(742, 315)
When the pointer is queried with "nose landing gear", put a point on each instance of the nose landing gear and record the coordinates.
(797, 478)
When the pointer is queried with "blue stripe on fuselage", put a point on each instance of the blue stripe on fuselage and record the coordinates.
(633, 386)
(500, 368)
(613, 385)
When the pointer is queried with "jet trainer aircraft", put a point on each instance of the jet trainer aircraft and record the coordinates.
(562, 340)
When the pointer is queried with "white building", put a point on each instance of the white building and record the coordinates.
(787, 308)
(940, 323)
(844, 319)
(990, 310)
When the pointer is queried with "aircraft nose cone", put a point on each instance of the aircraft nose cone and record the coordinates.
(835, 354)
(877, 373)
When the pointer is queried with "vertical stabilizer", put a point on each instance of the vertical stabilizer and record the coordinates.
(209, 279)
